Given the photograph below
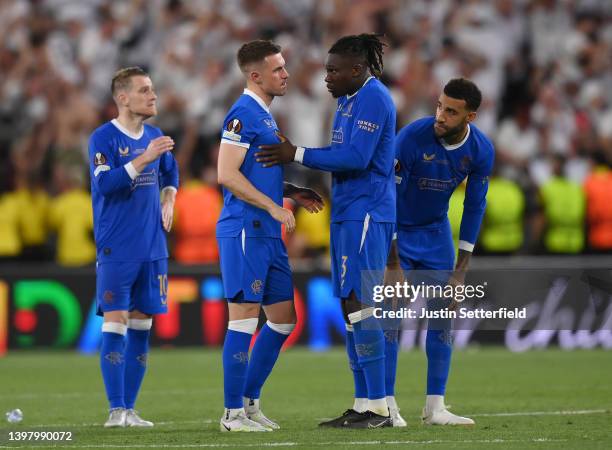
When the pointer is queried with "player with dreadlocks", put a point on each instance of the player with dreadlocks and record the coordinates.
(360, 158)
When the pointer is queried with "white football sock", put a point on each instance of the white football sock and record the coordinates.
(230, 413)
(434, 403)
(378, 406)
(251, 407)
(360, 405)
(391, 403)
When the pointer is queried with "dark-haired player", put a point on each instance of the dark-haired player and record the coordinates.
(434, 155)
(129, 162)
(360, 158)
(254, 263)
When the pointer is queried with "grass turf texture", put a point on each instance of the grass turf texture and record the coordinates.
(182, 393)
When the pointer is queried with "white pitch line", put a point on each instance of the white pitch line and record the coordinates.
(310, 444)
(543, 413)
(78, 425)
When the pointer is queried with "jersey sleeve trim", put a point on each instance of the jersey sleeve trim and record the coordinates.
(171, 188)
(131, 170)
(102, 168)
(299, 155)
(467, 246)
(246, 145)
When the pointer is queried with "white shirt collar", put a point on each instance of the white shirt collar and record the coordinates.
(126, 131)
(355, 93)
(457, 145)
(258, 99)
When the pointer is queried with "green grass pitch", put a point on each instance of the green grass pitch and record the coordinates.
(538, 399)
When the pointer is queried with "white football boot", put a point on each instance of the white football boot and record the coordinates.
(253, 412)
(436, 413)
(444, 417)
(394, 412)
(116, 418)
(398, 421)
(238, 421)
(132, 419)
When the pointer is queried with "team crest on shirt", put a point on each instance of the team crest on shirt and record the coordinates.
(427, 157)
(124, 151)
(99, 159)
(465, 162)
(257, 286)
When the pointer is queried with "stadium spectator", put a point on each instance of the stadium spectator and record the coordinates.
(198, 205)
(71, 217)
(548, 57)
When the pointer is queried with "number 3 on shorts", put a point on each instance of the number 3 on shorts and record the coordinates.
(344, 259)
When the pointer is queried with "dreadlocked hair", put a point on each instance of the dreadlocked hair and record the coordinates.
(367, 46)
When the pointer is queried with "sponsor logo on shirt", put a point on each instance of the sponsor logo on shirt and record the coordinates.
(124, 151)
(427, 157)
(430, 184)
(367, 126)
(145, 179)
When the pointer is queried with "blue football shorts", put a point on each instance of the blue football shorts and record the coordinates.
(128, 286)
(359, 252)
(255, 269)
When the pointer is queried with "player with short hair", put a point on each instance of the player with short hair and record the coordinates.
(433, 156)
(129, 162)
(254, 262)
(360, 158)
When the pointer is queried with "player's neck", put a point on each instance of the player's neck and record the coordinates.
(254, 88)
(131, 122)
(457, 137)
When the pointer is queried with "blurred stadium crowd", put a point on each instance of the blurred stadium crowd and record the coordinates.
(544, 67)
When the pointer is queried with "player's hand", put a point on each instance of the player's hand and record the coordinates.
(285, 217)
(168, 199)
(457, 279)
(272, 155)
(167, 215)
(307, 198)
(158, 147)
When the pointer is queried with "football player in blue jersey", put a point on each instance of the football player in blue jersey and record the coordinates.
(360, 158)
(254, 262)
(433, 156)
(129, 163)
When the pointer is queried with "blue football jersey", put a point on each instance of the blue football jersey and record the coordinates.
(428, 171)
(127, 212)
(249, 124)
(361, 155)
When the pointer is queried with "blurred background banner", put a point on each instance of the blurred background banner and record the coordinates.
(570, 306)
